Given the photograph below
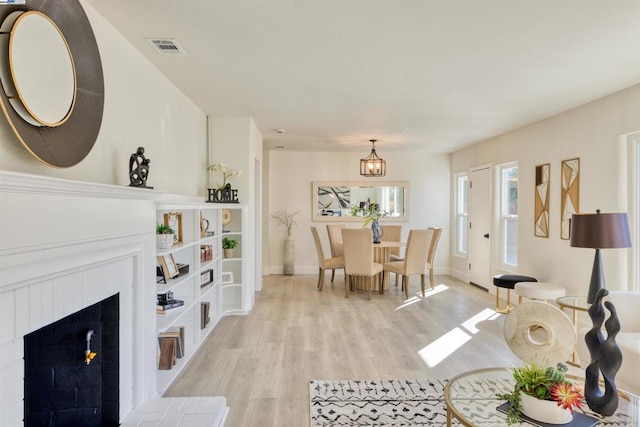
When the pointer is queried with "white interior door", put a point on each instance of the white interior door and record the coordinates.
(480, 226)
(257, 247)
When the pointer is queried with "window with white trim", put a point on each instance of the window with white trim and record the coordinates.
(462, 218)
(509, 215)
(633, 143)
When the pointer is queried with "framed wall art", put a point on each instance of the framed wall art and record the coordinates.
(541, 203)
(168, 266)
(174, 220)
(206, 277)
(569, 194)
(227, 277)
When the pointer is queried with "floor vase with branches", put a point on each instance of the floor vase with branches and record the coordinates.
(288, 220)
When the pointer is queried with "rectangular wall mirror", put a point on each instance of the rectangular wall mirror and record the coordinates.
(335, 200)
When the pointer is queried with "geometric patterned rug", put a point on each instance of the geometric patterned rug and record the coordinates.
(378, 403)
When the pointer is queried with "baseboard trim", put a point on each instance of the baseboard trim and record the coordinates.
(482, 288)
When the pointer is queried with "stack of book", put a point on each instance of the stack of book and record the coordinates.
(171, 347)
(164, 306)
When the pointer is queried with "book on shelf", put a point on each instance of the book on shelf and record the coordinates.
(167, 355)
(175, 334)
(204, 314)
(168, 305)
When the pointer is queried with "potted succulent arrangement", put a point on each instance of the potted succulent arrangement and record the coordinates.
(543, 394)
(228, 245)
(165, 236)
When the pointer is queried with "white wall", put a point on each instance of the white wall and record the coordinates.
(292, 172)
(591, 132)
(142, 108)
(238, 142)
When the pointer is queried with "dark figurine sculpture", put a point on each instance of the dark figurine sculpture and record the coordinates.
(138, 169)
(606, 357)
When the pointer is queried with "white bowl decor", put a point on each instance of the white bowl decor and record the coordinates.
(542, 393)
(546, 411)
(164, 241)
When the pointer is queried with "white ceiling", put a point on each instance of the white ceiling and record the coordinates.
(437, 74)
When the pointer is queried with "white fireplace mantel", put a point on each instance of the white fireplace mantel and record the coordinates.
(65, 245)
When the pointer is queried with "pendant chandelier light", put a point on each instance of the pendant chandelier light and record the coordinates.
(372, 165)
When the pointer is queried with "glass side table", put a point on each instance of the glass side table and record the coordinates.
(575, 304)
(471, 399)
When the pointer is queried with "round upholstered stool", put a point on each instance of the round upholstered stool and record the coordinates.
(538, 290)
(508, 282)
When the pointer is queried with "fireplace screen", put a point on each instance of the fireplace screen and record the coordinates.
(72, 369)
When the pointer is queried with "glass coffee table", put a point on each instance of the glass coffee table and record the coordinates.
(576, 304)
(471, 399)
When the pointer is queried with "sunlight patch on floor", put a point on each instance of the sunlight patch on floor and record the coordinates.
(447, 344)
(486, 314)
(444, 346)
(428, 293)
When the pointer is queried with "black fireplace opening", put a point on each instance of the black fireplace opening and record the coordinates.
(67, 384)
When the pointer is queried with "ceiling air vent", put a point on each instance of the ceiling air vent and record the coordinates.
(169, 46)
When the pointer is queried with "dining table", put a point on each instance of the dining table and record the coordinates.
(381, 254)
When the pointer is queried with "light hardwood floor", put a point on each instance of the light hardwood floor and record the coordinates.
(262, 362)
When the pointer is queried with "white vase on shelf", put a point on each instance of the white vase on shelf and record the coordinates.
(164, 241)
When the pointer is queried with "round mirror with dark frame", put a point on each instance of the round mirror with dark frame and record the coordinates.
(56, 115)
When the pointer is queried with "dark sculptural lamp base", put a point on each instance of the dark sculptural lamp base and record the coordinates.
(217, 195)
(606, 357)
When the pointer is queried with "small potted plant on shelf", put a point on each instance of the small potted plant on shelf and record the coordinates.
(165, 236)
(543, 394)
(228, 245)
